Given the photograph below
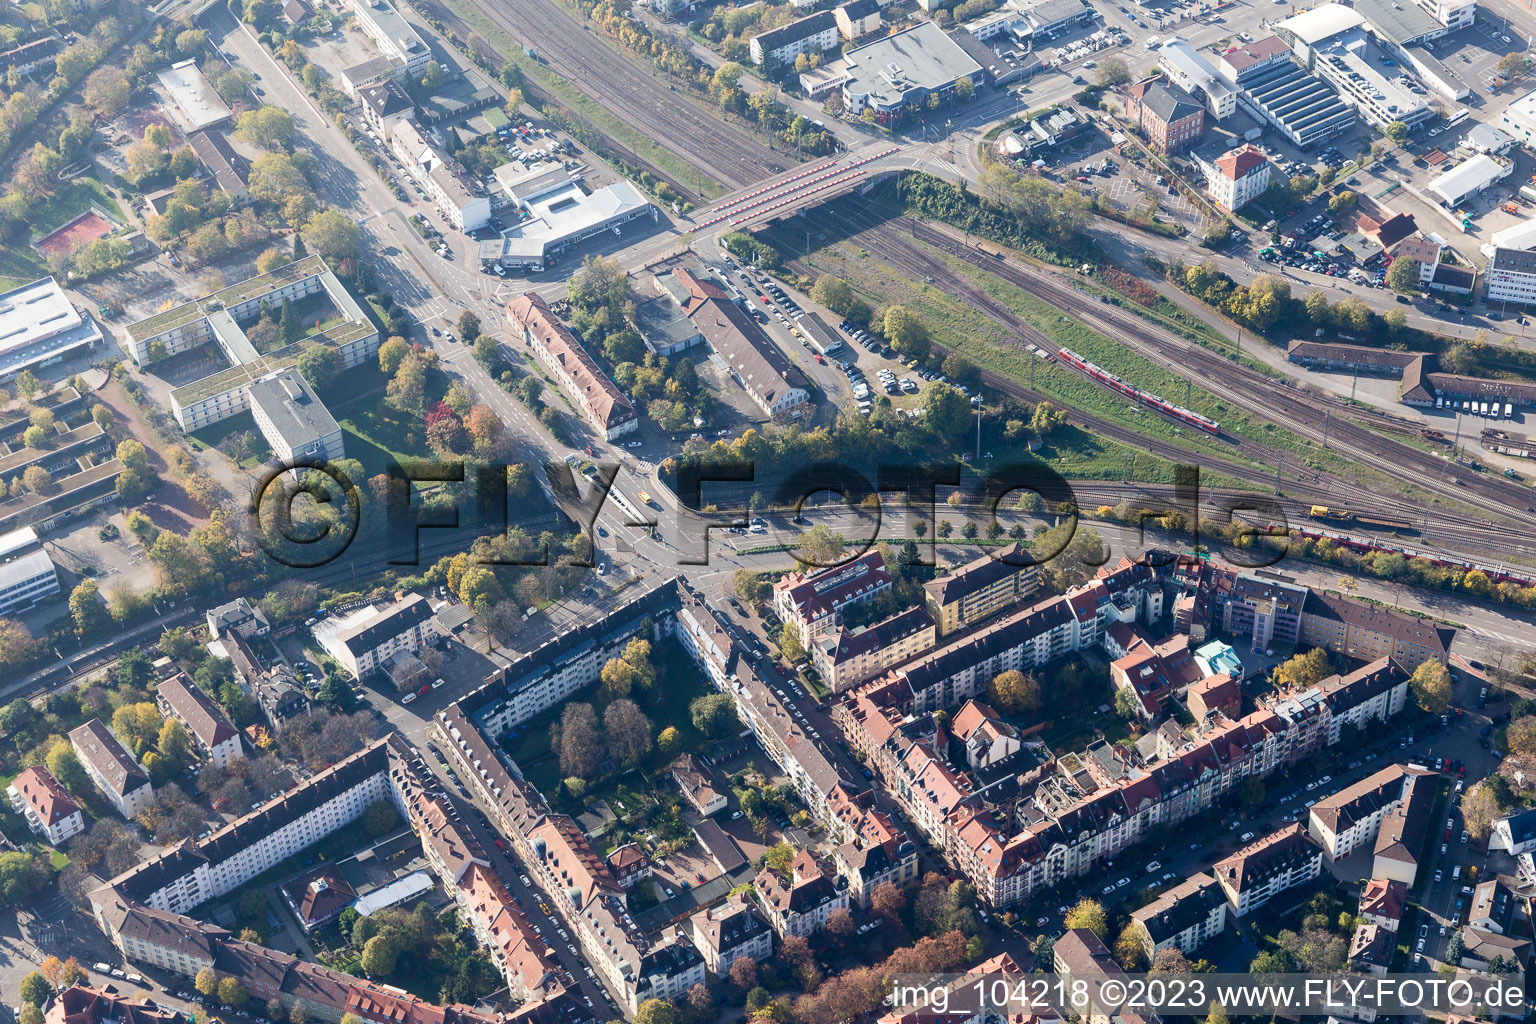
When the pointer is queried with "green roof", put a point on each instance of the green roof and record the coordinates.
(235, 294)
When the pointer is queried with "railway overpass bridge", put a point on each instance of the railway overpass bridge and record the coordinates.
(814, 183)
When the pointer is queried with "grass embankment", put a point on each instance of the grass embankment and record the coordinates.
(1075, 453)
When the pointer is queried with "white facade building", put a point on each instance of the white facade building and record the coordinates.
(782, 45)
(50, 812)
(112, 768)
(1191, 72)
(1512, 276)
(1468, 179)
(457, 196)
(364, 640)
(1237, 177)
(392, 34)
(25, 581)
(183, 876)
(211, 730)
(39, 327)
(293, 419)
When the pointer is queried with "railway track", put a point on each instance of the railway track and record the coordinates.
(1300, 411)
(887, 237)
(629, 91)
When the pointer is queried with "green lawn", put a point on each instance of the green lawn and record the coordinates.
(372, 432)
(69, 200)
(678, 681)
(212, 437)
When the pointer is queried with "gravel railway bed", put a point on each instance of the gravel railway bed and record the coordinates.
(631, 92)
(890, 239)
(1300, 411)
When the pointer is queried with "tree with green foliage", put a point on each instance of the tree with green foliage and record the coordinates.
(65, 766)
(906, 331)
(714, 714)
(35, 990)
(319, 366)
(267, 127)
(333, 234)
(946, 411)
(1403, 276)
(834, 293)
(1302, 670)
(206, 981)
(87, 609)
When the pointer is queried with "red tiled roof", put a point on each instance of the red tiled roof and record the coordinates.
(529, 312)
(1237, 163)
(44, 795)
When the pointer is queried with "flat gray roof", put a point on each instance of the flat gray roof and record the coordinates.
(1398, 22)
(293, 407)
(921, 57)
(193, 94)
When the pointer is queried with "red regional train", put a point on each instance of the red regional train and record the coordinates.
(1496, 573)
(1136, 394)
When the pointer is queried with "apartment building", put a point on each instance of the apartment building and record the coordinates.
(1317, 715)
(812, 602)
(1512, 276)
(601, 402)
(1395, 856)
(1367, 632)
(868, 861)
(140, 909)
(26, 580)
(1080, 954)
(239, 618)
(1237, 177)
(986, 737)
(364, 640)
(50, 811)
(114, 771)
(1382, 902)
(189, 873)
(1352, 817)
(458, 197)
(811, 34)
(1156, 673)
(1171, 118)
(844, 657)
(212, 732)
(698, 786)
(629, 865)
(1183, 918)
(1515, 833)
(294, 421)
(728, 931)
(393, 35)
(83, 1004)
(1265, 868)
(799, 901)
(954, 672)
(982, 588)
(184, 946)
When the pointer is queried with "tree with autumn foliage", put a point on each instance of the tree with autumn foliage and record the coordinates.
(743, 973)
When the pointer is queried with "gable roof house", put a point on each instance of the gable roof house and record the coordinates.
(112, 768)
(563, 356)
(774, 383)
(211, 730)
(1263, 869)
(50, 811)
